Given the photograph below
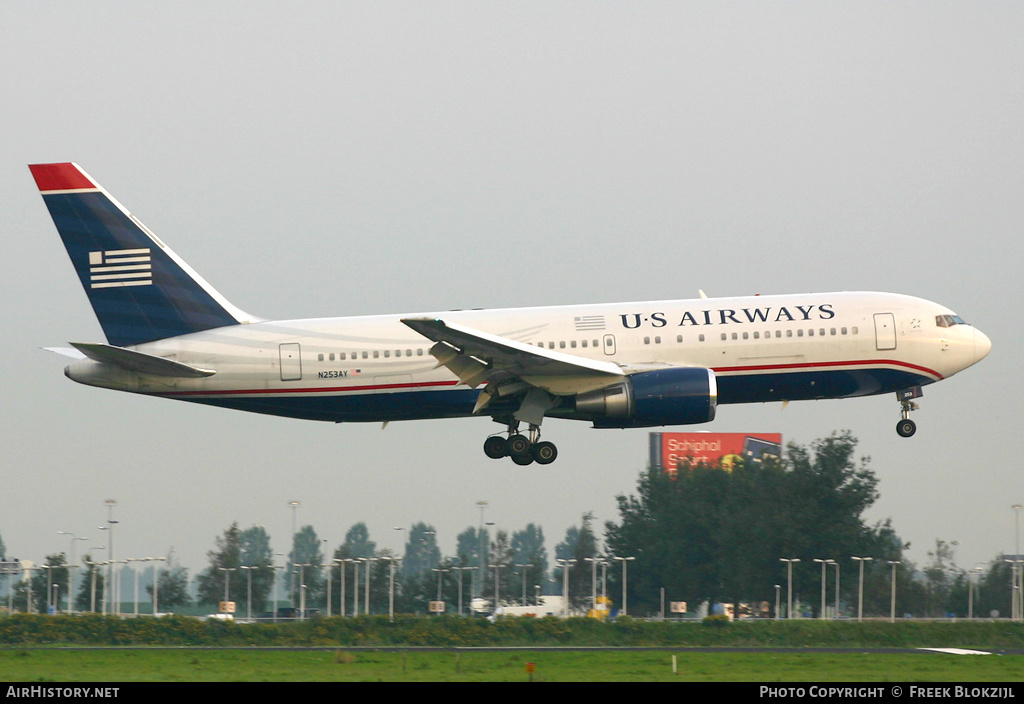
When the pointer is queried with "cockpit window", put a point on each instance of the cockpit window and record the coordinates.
(948, 321)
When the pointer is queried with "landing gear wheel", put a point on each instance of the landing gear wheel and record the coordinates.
(544, 452)
(523, 459)
(496, 447)
(906, 428)
(522, 448)
(518, 445)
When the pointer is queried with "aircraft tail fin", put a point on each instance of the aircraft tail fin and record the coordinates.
(139, 289)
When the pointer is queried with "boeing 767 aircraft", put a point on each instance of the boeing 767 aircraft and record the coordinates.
(616, 365)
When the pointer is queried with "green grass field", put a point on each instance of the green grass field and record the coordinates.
(250, 665)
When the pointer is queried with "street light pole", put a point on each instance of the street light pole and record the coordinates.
(366, 595)
(972, 585)
(115, 586)
(593, 582)
(478, 589)
(789, 584)
(109, 592)
(92, 587)
(71, 571)
(1015, 607)
(49, 590)
(497, 584)
(860, 587)
(836, 563)
(341, 586)
(566, 564)
(330, 571)
(440, 571)
(461, 570)
(624, 561)
(1015, 574)
(523, 572)
(356, 561)
(294, 572)
(604, 586)
(248, 573)
(391, 586)
(892, 596)
(345, 561)
(156, 583)
(823, 563)
(275, 569)
(227, 582)
(135, 572)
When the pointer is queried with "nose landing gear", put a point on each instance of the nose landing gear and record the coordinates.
(522, 449)
(906, 427)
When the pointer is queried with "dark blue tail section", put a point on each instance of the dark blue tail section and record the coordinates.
(140, 290)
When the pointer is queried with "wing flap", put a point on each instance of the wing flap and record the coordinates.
(477, 357)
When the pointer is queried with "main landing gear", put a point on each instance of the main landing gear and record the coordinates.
(906, 427)
(522, 449)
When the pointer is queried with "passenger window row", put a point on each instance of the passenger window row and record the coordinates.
(571, 344)
(374, 354)
(585, 344)
(800, 332)
(768, 334)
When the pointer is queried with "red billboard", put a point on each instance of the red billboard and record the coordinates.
(669, 449)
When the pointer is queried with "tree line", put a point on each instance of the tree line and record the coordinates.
(698, 534)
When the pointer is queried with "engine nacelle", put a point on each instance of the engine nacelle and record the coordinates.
(676, 396)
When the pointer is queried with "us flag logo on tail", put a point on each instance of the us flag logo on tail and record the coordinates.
(120, 267)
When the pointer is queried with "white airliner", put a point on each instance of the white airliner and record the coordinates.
(616, 365)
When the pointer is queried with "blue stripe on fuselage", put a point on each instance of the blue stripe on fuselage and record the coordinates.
(816, 384)
(459, 403)
(352, 408)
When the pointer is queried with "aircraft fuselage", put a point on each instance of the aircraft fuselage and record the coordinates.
(617, 365)
(374, 368)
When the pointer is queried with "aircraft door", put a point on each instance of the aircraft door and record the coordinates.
(885, 331)
(291, 362)
(609, 344)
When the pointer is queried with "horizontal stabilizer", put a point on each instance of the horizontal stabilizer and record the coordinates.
(66, 352)
(139, 361)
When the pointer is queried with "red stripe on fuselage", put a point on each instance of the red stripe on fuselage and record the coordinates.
(869, 363)
(312, 390)
(780, 368)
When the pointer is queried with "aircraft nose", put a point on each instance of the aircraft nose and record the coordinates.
(982, 345)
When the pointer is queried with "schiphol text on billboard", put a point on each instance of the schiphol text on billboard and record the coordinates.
(667, 450)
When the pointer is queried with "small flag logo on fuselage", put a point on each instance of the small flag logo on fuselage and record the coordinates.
(589, 322)
(120, 267)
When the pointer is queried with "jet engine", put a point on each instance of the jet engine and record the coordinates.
(676, 396)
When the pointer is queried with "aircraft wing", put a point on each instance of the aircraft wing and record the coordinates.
(478, 357)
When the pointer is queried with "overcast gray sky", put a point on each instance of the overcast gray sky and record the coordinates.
(340, 158)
